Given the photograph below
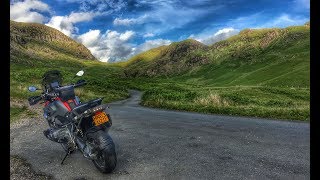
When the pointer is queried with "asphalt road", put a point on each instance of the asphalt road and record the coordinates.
(160, 144)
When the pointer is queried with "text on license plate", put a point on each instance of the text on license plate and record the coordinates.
(100, 118)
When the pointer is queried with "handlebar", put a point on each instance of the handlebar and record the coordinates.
(34, 100)
(80, 84)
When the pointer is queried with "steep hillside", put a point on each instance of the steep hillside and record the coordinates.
(141, 61)
(271, 57)
(253, 51)
(147, 55)
(166, 60)
(29, 41)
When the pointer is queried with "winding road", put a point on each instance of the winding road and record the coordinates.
(160, 144)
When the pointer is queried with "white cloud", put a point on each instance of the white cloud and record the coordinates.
(110, 46)
(149, 44)
(148, 35)
(224, 31)
(131, 21)
(222, 34)
(126, 36)
(210, 38)
(24, 11)
(65, 24)
(91, 38)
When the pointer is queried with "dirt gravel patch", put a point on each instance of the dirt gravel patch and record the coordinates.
(20, 169)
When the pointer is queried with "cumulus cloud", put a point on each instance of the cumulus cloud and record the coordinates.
(90, 38)
(149, 44)
(110, 46)
(28, 11)
(220, 35)
(66, 24)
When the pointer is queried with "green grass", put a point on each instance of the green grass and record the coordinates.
(102, 79)
(18, 112)
(253, 101)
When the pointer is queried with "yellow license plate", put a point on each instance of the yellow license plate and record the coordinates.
(100, 119)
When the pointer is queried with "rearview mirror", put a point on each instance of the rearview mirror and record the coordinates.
(80, 73)
(32, 88)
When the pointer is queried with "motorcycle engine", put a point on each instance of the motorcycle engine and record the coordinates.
(60, 135)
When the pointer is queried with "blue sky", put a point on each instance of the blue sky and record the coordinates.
(115, 30)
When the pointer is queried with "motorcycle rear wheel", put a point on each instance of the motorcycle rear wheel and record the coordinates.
(107, 157)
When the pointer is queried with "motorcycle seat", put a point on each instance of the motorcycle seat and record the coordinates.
(81, 108)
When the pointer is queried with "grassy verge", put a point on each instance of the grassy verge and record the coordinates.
(17, 112)
(253, 101)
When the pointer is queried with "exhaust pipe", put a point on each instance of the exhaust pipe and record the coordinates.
(86, 149)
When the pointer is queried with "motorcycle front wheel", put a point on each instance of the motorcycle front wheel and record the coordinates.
(107, 158)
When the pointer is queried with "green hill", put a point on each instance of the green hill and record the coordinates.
(36, 41)
(141, 61)
(174, 58)
(268, 57)
(254, 57)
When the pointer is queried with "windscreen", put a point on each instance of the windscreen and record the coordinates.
(50, 78)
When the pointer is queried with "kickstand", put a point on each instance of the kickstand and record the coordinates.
(68, 153)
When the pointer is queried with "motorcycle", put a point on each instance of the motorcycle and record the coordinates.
(76, 125)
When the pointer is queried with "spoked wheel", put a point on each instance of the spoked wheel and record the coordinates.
(100, 162)
(107, 158)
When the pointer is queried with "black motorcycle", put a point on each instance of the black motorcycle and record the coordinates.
(76, 125)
